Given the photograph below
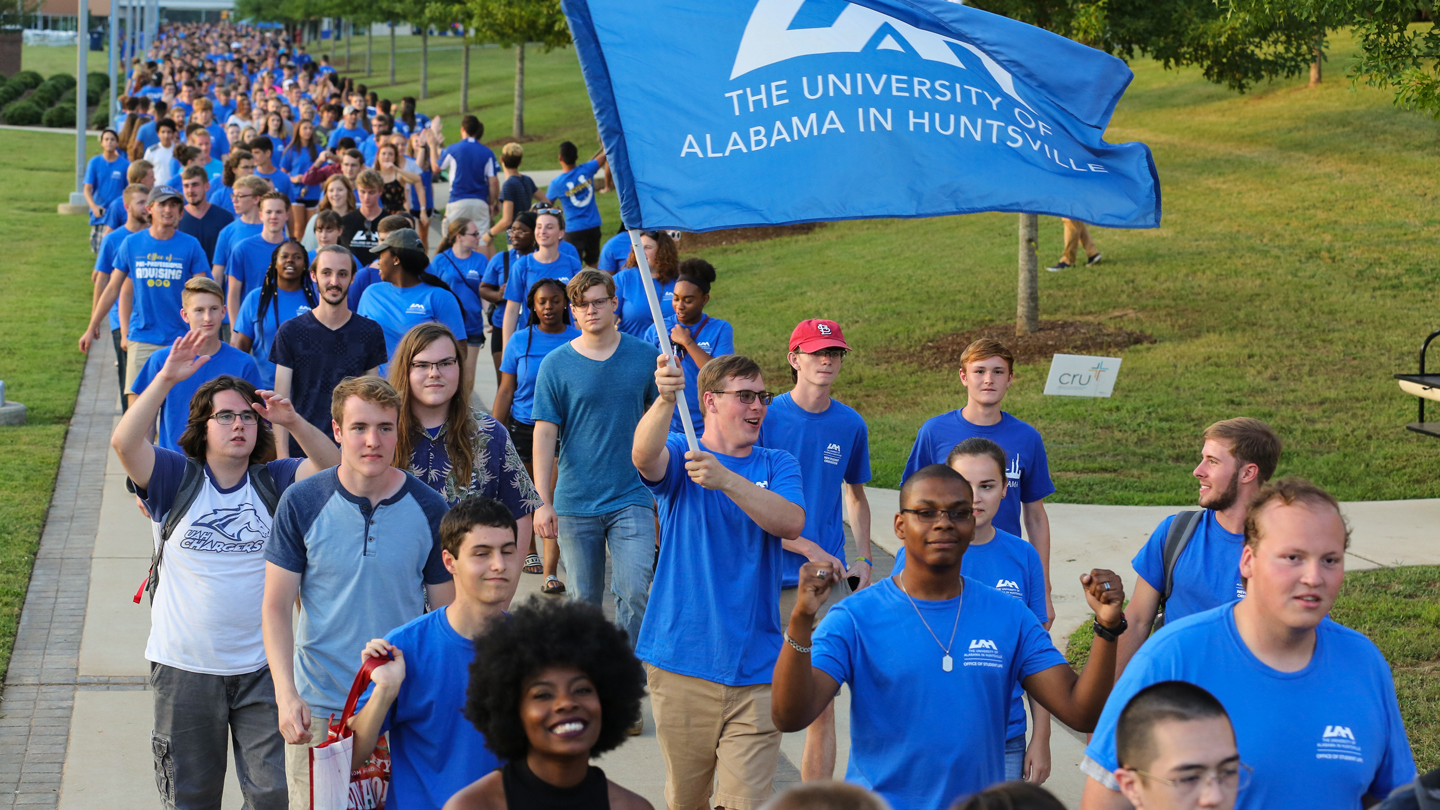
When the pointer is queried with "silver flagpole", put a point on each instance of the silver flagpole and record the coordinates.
(643, 266)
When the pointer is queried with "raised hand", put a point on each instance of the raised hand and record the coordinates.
(816, 580)
(276, 410)
(1105, 594)
(184, 358)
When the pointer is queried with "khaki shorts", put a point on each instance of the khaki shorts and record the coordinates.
(478, 210)
(135, 358)
(714, 739)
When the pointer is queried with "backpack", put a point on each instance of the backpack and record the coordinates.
(190, 485)
(1182, 528)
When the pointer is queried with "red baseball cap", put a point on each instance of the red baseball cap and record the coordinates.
(816, 334)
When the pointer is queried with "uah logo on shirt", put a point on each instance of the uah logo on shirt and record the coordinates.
(1338, 743)
(233, 529)
(1009, 586)
(1012, 473)
(984, 653)
(832, 454)
(770, 39)
(416, 308)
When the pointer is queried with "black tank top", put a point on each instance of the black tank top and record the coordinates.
(526, 791)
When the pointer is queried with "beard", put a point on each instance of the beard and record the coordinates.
(1227, 497)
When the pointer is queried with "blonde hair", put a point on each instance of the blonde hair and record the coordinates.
(254, 184)
(369, 388)
(198, 285)
(986, 347)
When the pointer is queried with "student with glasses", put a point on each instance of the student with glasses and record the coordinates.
(459, 263)
(1313, 703)
(713, 625)
(208, 673)
(246, 224)
(549, 329)
(1177, 750)
(589, 395)
(899, 646)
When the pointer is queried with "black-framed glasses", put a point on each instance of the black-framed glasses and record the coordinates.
(748, 397)
(1231, 777)
(586, 306)
(833, 354)
(228, 417)
(932, 515)
(440, 365)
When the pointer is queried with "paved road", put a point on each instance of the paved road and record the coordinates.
(76, 714)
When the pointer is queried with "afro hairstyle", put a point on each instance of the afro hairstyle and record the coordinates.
(542, 634)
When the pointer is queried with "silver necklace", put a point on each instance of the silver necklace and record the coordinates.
(946, 663)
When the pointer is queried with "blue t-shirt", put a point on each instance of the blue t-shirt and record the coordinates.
(874, 641)
(115, 216)
(249, 262)
(342, 131)
(634, 307)
(714, 610)
(219, 141)
(397, 309)
(223, 197)
(280, 180)
(471, 268)
(207, 228)
(528, 270)
(1207, 573)
(522, 358)
(615, 253)
(713, 335)
(298, 161)
(471, 165)
(497, 273)
(261, 331)
(833, 449)
(455, 273)
(364, 276)
(175, 413)
(597, 405)
(1027, 473)
(434, 750)
(230, 236)
(158, 269)
(105, 262)
(106, 179)
(1330, 732)
(575, 191)
(1009, 565)
(362, 569)
(147, 133)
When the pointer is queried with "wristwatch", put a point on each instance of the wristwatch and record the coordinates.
(1109, 634)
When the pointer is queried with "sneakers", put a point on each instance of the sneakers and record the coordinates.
(1093, 259)
(1057, 267)
(637, 729)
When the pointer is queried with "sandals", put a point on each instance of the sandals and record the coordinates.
(533, 564)
(553, 586)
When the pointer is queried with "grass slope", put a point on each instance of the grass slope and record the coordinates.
(1399, 609)
(45, 287)
(1296, 270)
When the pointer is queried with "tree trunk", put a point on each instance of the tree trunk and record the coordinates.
(425, 62)
(519, 124)
(1027, 307)
(349, 36)
(369, 48)
(334, 35)
(465, 74)
(1315, 66)
(392, 53)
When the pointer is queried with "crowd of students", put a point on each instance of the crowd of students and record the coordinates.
(297, 373)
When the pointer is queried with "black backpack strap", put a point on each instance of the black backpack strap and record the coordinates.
(1182, 528)
(265, 487)
(190, 484)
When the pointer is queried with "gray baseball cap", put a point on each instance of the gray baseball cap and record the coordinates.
(162, 193)
(403, 239)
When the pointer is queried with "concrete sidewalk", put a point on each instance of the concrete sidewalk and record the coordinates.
(77, 712)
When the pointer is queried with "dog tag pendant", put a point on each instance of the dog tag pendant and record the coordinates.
(947, 663)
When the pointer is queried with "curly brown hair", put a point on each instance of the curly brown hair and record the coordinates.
(666, 266)
(202, 407)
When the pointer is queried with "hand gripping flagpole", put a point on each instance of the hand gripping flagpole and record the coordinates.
(643, 267)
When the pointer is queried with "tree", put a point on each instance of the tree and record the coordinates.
(514, 23)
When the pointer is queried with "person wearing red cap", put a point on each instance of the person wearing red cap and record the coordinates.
(832, 444)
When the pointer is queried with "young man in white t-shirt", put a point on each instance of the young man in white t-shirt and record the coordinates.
(207, 658)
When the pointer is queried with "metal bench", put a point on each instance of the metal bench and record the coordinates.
(1423, 386)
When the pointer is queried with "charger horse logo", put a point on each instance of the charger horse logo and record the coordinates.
(228, 530)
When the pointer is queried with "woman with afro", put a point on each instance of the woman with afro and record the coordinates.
(551, 688)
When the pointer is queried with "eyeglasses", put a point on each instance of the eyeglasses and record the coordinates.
(596, 304)
(832, 354)
(441, 366)
(748, 397)
(470, 233)
(932, 515)
(244, 196)
(1230, 778)
(228, 417)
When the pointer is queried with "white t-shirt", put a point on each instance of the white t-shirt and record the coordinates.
(206, 613)
(160, 157)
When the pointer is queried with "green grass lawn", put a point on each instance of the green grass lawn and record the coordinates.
(1399, 609)
(45, 290)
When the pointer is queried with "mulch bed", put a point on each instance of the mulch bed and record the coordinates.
(1054, 337)
(735, 236)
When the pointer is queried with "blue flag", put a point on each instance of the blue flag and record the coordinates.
(767, 112)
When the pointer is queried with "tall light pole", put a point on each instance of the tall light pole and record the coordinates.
(111, 60)
(82, 49)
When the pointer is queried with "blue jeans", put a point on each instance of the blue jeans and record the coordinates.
(1014, 758)
(630, 533)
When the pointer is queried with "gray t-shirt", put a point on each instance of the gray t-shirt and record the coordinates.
(597, 405)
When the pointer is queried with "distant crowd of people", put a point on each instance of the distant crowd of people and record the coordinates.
(297, 368)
